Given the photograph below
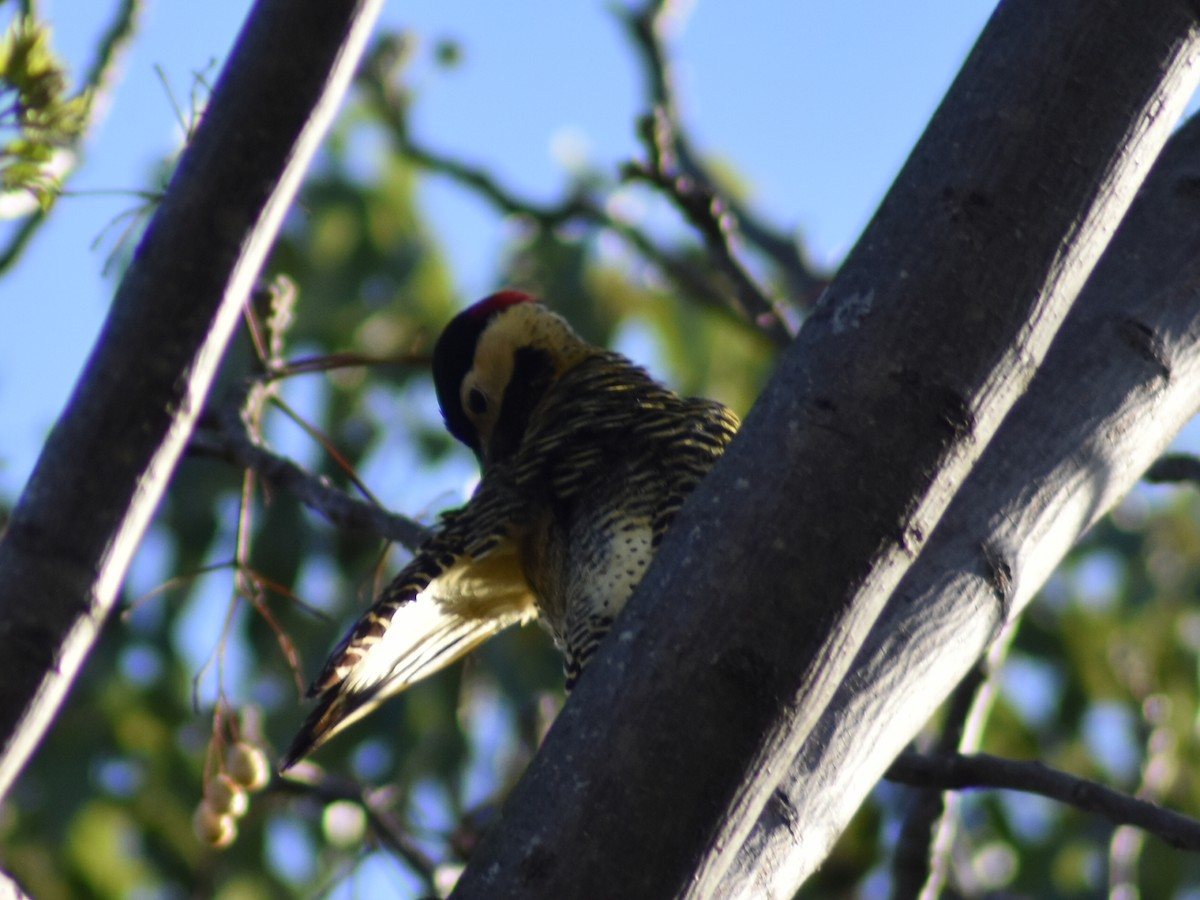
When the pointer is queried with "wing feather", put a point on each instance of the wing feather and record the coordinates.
(419, 625)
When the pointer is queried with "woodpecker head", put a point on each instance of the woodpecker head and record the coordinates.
(493, 364)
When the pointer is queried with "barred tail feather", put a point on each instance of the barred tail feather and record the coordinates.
(334, 712)
(398, 643)
(420, 641)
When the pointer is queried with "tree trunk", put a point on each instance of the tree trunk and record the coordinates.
(109, 457)
(1119, 381)
(733, 647)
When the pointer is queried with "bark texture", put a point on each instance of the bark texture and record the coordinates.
(1119, 381)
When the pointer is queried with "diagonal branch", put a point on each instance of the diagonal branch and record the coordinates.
(108, 460)
(231, 440)
(1120, 381)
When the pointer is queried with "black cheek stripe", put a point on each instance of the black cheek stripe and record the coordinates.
(532, 375)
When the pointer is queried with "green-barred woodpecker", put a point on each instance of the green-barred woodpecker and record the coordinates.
(585, 461)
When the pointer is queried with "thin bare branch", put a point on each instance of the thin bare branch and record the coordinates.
(911, 860)
(953, 771)
(709, 216)
(307, 365)
(117, 38)
(691, 188)
(1174, 468)
(232, 443)
(970, 707)
(695, 280)
(647, 28)
(226, 437)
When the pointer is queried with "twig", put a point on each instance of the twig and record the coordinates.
(580, 206)
(230, 440)
(966, 717)
(307, 365)
(115, 41)
(711, 218)
(391, 104)
(327, 445)
(646, 27)
(953, 771)
(693, 191)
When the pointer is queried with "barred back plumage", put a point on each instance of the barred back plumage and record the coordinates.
(586, 460)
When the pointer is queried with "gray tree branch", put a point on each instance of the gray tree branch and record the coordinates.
(1121, 379)
(105, 465)
(676, 739)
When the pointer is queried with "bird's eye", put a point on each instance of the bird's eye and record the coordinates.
(477, 401)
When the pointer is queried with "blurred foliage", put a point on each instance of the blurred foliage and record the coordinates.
(1102, 678)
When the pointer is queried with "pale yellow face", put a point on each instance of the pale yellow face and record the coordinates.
(523, 325)
(481, 394)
